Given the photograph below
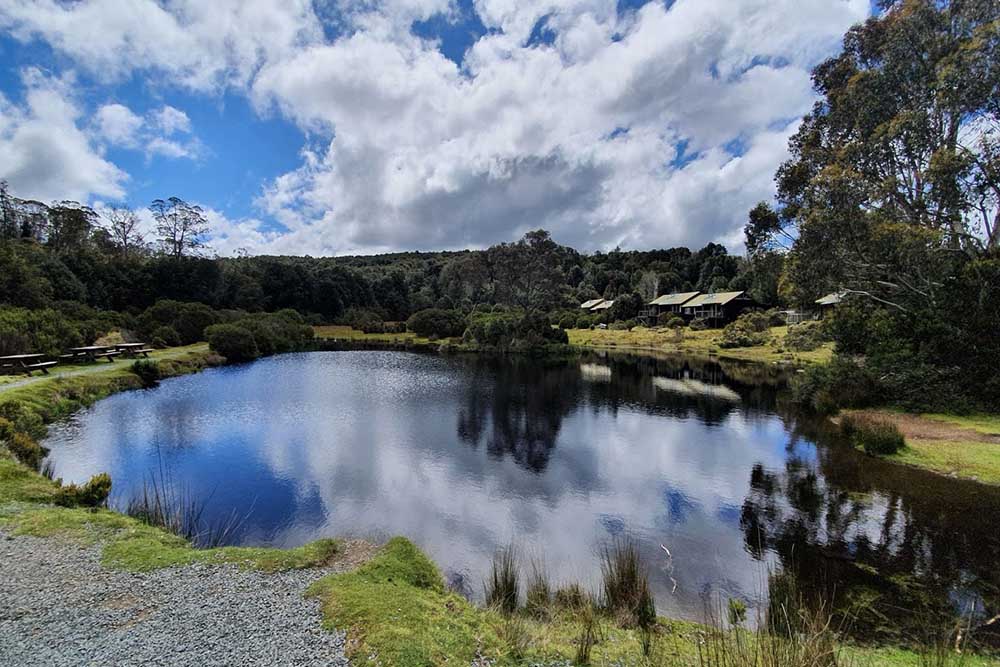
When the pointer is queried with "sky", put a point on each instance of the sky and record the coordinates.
(331, 127)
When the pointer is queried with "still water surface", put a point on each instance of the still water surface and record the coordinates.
(464, 454)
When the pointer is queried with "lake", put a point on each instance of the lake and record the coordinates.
(465, 454)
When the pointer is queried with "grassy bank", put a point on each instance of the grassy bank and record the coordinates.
(399, 614)
(346, 333)
(967, 447)
(699, 343)
(36, 401)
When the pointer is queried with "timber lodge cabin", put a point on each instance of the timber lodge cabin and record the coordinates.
(717, 309)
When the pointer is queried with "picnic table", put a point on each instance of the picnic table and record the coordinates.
(134, 349)
(91, 353)
(25, 363)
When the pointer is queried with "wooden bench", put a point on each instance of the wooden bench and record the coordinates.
(110, 355)
(42, 366)
(144, 351)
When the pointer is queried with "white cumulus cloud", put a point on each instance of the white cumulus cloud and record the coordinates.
(45, 153)
(650, 127)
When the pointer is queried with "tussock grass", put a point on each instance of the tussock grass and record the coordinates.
(538, 596)
(166, 504)
(503, 587)
(625, 584)
(878, 436)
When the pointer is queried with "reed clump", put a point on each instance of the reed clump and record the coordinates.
(877, 436)
(165, 504)
(503, 587)
(625, 584)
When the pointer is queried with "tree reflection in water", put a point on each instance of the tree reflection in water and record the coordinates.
(517, 405)
(900, 551)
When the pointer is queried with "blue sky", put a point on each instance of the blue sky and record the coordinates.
(327, 128)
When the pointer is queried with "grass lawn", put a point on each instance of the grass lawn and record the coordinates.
(700, 343)
(349, 333)
(120, 366)
(41, 400)
(959, 446)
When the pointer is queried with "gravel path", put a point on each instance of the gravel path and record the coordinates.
(58, 606)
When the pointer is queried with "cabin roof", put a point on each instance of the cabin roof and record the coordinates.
(676, 299)
(831, 299)
(603, 305)
(591, 303)
(719, 298)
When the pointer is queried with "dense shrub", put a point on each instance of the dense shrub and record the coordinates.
(436, 322)
(26, 450)
(748, 330)
(841, 383)
(148, 372)
(698, 324)
(165, 336)
(878, 436)
(187, 320)
(192, 320)
(805, 337)
(672, 320)
(233, 341)
(92, 494)
(512, 330)
(619, 326)
(45, 331)
(23, 418)
(568, 321)
(364, 320)
(7, 430)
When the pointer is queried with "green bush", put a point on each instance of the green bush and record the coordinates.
(26, 450)
(842, 383)
(568, 321)
(805, 337)
(165, 336)
(672, 320)
(233, 341)
(436, 322)
(748, 330)
(192, 320)
(45, 331)
(187, 321)
(511, 330)
(92, 494)
(876, 435)
(698, 324)
(148, 372)
(23, 418)
(7, 430)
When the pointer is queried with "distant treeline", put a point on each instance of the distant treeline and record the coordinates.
(68, 252)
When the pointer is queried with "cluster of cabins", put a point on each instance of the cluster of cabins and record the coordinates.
(716, 309)
(28, 363)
